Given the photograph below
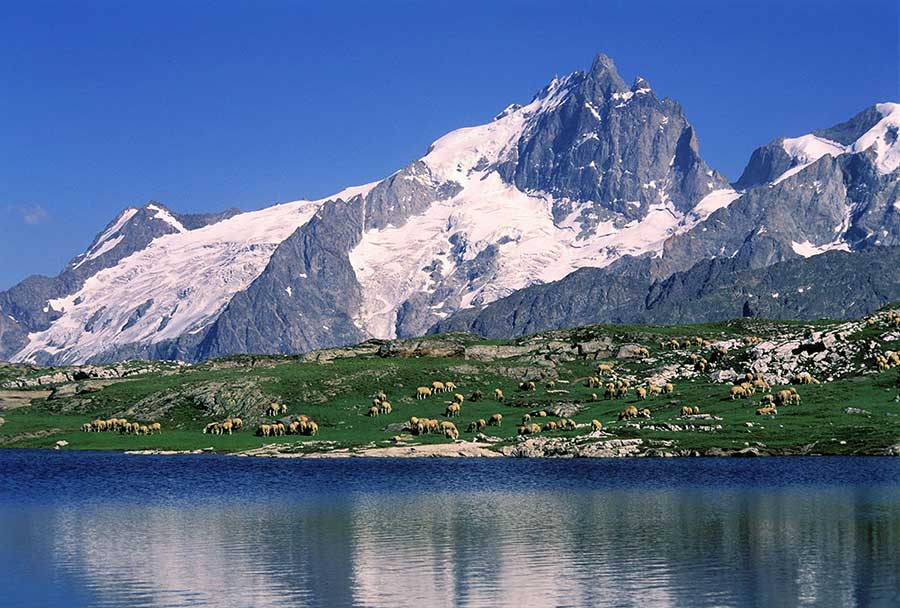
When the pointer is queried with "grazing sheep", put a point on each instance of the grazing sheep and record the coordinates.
(787, 397)
(264, 430)
(482, 424)
(567, 424)
(279, 428)
(473, 427)
(527, 386)
(156, 428)
(766, 411)
(541, 414)
(604, 368)
(449, 430)
(761, 385)
(737, 392)
(596, 425)
(696, 410)
(459, 398)
(549, 385)
(526, 418)
(496, 420)
(803, 378)
(593, 396)
(438, 387)
(227, 427)
(610, 392)
(476, 396)
(686, 411)
(668, 388)
(529, 429)
(386, 407)
(86, 427)
(381, 396)
(498, 394)
(273, 410)
(550, 426)
(145, 430)
(641, 393)
(209, 428)
(644, 413)
(312, 428)
(628, 413)
(449, 386)
(238, 423)
(373, 412)
(592, 382)
(452, 410)
(294, 428)
(423, 392)
(654, 390)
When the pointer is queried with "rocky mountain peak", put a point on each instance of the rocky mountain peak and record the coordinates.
(603, 78)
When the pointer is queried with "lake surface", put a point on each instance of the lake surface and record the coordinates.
(108, 529)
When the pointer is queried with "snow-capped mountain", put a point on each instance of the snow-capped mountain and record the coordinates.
(834, 190)
(590, 174)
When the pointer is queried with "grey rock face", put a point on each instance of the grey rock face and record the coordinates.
(308, 294)
(838, 285)
(618, 147)
(304, 298)
(766, 164)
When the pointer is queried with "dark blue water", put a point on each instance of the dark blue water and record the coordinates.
(107, 529)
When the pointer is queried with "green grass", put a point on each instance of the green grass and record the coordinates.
(338, 394)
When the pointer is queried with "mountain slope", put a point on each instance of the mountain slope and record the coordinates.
(594, 187)
(822, 195)
(587, 172)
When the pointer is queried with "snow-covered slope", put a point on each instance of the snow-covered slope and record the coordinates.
(177, 285)
(881, 139)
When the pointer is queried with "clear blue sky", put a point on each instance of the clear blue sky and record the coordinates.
(205, 106)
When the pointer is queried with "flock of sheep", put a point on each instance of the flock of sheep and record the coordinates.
(300, 425)
(122, 426)
(604, 377)
(425, 426)
(229, 425)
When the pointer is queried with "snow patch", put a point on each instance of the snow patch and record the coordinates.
(807, 249)
(715, 200)
(165, 216)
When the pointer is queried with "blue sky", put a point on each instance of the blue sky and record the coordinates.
(205, 106)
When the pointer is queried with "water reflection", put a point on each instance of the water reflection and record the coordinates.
(664, 546)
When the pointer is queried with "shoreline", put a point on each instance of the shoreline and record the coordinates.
(468, 449)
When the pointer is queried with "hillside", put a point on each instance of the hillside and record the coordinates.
(847, 375)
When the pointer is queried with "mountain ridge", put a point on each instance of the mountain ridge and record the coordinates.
(592, 173)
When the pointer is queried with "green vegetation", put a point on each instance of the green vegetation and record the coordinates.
(854, 410)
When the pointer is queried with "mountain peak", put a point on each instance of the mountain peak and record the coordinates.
(603, 79)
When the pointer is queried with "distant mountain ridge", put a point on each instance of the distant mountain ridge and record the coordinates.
(592, 177)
